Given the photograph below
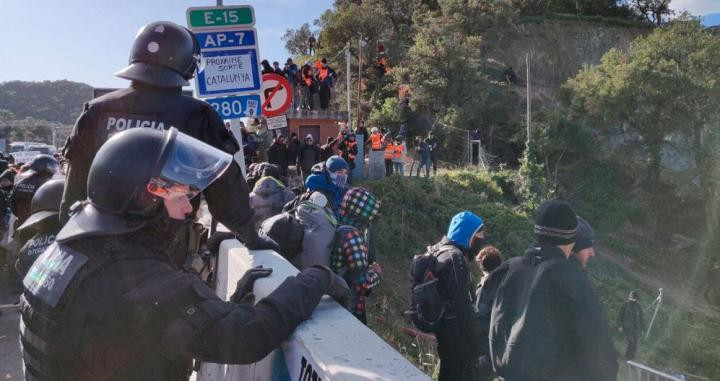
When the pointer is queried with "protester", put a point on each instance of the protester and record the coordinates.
(328, 149)
(308, 156)
(293, 148)
(291, 73)
(423, 151)
(325, 76)
(308, 84)
(432, 143)
(457, 343)
(389, 148)
(348, 151)
(278, 154)
(268, 197)
(404, 131)
(330, 178)
(277, 69)
(547, 321)
(488, 259)
(263, 139)
(398, 157)
(632, 323)
(350, 257)
(361, 130)
(266, 68)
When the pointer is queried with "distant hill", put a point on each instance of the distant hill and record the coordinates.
(54, 101)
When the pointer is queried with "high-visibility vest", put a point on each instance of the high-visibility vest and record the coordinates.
(376, 141)
(323, 73)
(350, 146)
(389, 151)
(397, 151)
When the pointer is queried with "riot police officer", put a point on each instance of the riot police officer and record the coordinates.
(39, 170)
(162, 60)
(106, 302)
(42, 226)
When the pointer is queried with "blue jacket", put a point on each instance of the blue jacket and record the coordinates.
(320, 181)
(462, 227)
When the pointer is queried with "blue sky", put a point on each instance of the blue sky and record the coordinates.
(88, 40)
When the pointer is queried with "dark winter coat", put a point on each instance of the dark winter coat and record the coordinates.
(630, 318)
(308, 156)
(293, 148)
(278, 154)
(268, 198)
(552, 320)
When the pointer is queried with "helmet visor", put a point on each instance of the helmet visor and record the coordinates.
(191, 165)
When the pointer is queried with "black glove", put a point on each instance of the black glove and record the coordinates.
(243, 291)
(338, 288)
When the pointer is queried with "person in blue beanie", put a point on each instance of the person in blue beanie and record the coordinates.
(457, 343)
(330, 178)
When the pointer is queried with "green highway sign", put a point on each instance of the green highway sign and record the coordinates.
(218, 17)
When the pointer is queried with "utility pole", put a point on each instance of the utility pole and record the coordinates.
(347, 83)
(527, 90)
(360, 58)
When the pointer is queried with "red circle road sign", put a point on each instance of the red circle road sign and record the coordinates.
(276, 93)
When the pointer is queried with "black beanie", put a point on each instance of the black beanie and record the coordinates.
(585, 236)
(555, 223)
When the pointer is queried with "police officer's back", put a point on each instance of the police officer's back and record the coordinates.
(106, 302)
(39, 170)
(42, 226)
(162, 60)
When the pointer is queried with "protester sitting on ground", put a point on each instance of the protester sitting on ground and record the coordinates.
(349, 258)
(398, 157)
(547, 320)
(267, 198)
(423, 150)
(389, 148)
(308, 156)
(330, 178)
(278, 154)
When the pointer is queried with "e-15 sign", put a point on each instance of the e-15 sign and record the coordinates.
(220, 16)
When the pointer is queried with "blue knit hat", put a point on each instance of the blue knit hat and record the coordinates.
(336, 163)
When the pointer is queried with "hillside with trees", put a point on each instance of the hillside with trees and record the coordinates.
(623, 125)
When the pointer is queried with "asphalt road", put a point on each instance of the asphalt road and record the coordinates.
(10, 357)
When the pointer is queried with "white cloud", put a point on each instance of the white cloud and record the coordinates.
(696, 7)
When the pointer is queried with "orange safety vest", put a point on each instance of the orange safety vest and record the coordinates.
(323, 73)
(376, 141)
(397, 151)
(389, 151)
(350, 146)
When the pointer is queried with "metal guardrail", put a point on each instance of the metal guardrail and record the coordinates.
(640, 372)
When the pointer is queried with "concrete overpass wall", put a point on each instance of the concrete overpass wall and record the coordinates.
(331, 345)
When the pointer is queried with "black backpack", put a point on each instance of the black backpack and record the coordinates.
(427, 305)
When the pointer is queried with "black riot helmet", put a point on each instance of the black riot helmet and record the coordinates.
(133, 171)
(45, 164)
(164, 54)
(45, 203)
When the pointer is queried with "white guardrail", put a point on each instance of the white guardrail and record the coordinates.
(640, 372)
(331, 346)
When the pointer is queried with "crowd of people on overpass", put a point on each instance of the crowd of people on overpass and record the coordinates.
(310, 80)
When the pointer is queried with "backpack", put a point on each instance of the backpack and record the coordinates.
(427, 305)
(319, 230)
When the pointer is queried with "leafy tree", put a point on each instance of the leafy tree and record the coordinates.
(654, 11)
(297, 41)
(664, 91)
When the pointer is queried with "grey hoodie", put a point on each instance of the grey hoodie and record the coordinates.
(267, 199)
